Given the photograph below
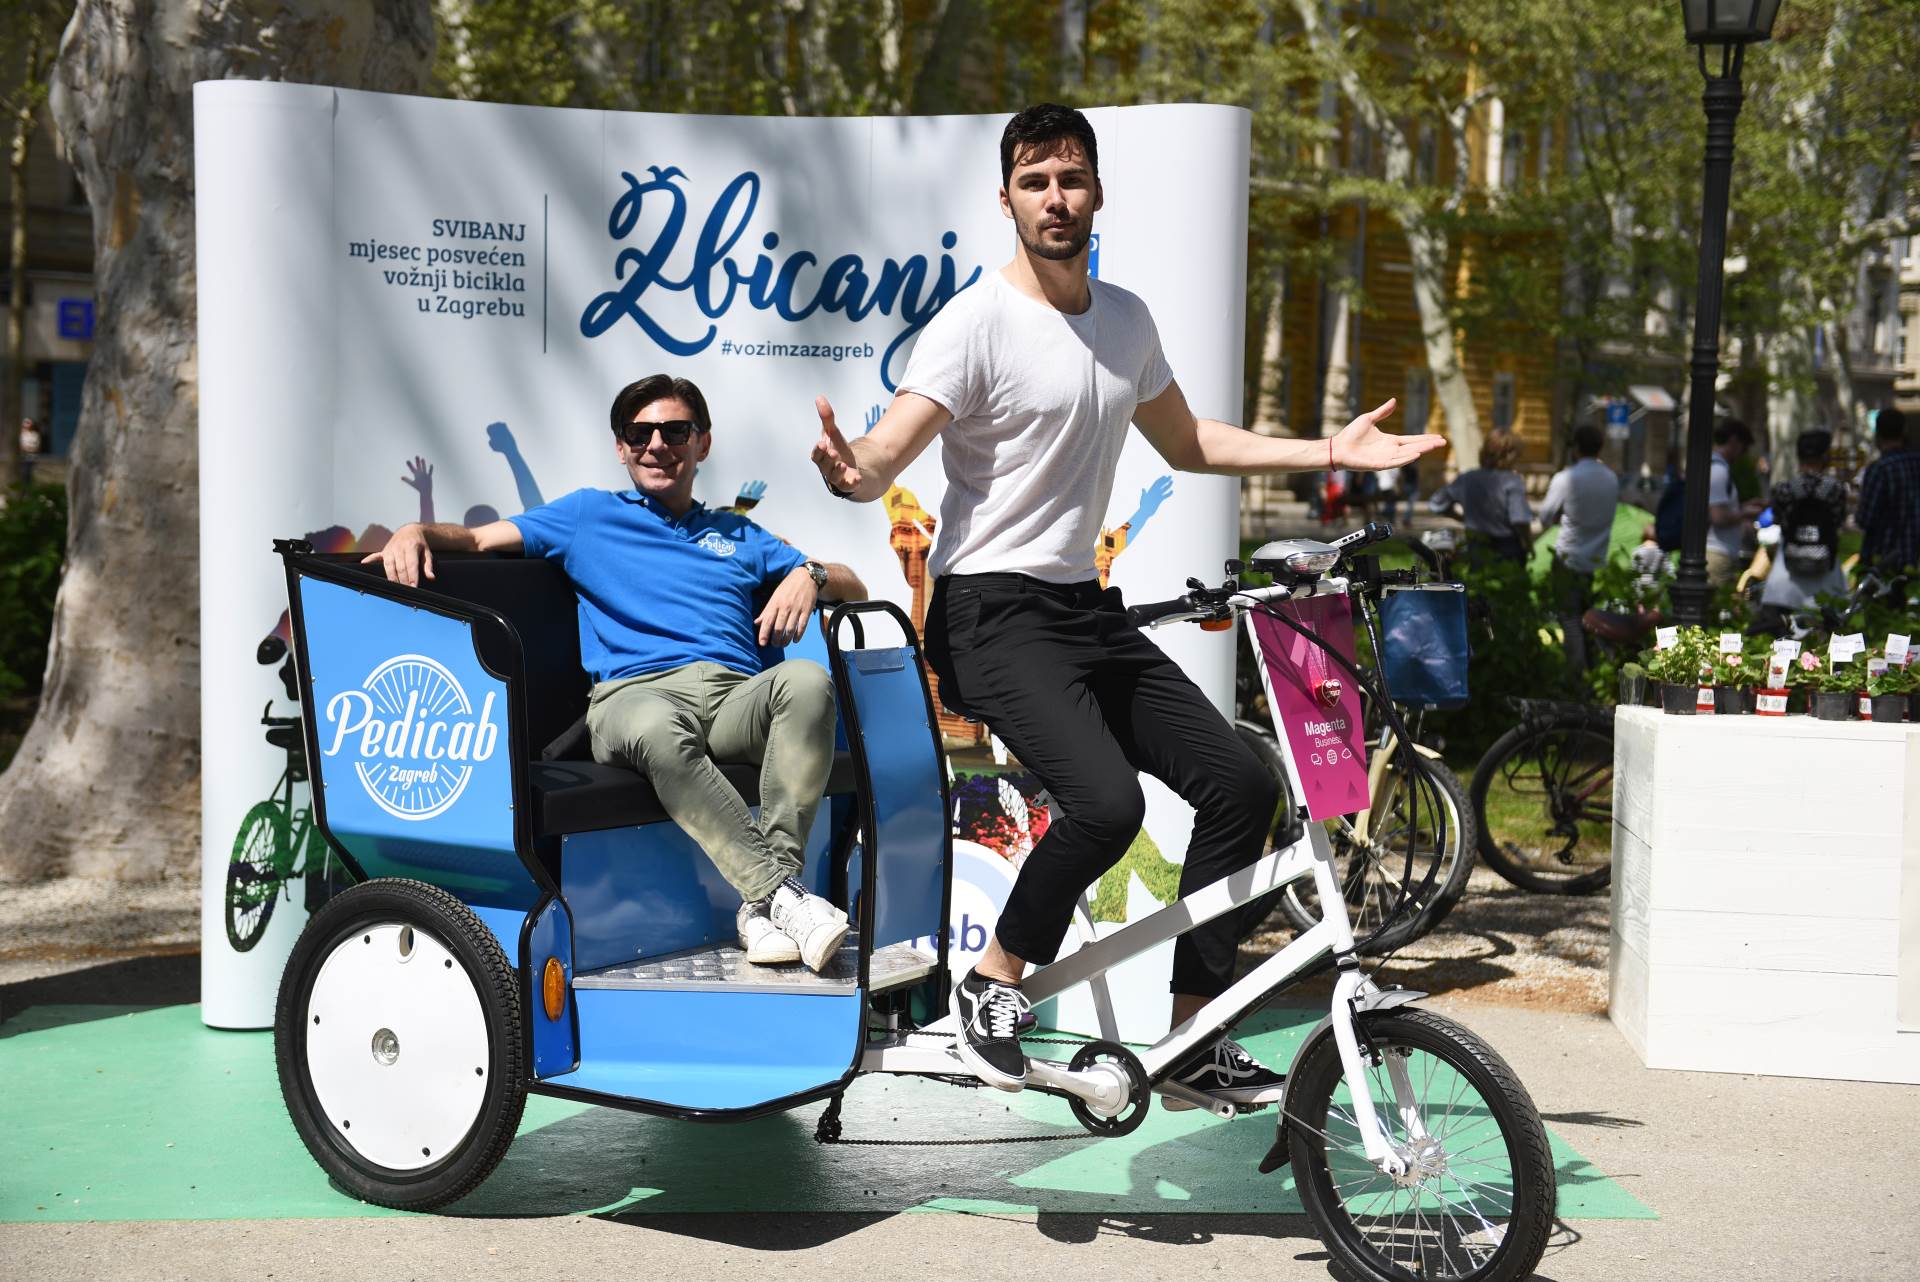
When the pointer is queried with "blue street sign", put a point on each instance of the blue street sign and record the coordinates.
(76, 319)
(1617, 422)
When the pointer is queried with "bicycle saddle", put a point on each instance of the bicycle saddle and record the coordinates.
(1295, 560)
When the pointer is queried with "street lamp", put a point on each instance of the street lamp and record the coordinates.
(1728, 26)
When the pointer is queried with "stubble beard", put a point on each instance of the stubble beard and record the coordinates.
(1040, 247)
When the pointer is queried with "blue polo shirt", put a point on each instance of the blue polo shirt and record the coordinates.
(658, 592)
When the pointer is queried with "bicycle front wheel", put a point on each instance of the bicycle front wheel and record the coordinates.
(1477, 1201)
(1415, 822)
(1543, 800)
(255, 874)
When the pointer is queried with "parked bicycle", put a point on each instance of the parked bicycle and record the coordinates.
(278, 842)
(1424, 820)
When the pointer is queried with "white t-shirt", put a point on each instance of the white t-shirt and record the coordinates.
(1727, 538)
(1041, 402)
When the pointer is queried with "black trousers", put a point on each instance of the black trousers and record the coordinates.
(1087, 702)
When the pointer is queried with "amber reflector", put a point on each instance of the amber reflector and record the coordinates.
(553, 988)
(1216, 625)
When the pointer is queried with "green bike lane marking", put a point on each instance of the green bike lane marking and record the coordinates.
(144, 1114)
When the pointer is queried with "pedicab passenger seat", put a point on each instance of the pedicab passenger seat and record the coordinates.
(585, 796)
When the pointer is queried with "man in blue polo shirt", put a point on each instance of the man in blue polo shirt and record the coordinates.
(669, 634)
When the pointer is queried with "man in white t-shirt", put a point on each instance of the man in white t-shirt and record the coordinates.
(1030, 379)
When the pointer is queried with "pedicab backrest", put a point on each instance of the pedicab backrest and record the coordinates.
(908, 843)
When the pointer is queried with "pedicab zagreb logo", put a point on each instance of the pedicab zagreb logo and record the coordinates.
(781, 281)
(716, 543)
(415, 735)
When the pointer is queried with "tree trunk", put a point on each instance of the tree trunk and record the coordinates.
(107, 779)
(26, 113)
(10, 398)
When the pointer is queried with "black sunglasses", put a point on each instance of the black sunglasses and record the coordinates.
(677, 431)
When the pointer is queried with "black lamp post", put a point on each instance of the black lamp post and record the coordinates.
(1728, 27)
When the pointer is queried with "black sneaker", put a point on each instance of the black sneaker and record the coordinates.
(990, 1015)
(1225, 1071)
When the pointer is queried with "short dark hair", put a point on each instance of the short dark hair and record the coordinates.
(1046, 125)
(1890, 425)
(1732, 429)
(1588, 441)
(637, 395)
(1813, 446)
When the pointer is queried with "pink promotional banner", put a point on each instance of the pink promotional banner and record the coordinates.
(1316, 703)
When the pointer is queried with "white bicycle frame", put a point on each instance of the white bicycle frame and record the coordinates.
(1104, 1089)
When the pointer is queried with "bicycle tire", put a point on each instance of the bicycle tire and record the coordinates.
(1513, 846)
(1371, 899)
(1526, 1191)
(254, 876)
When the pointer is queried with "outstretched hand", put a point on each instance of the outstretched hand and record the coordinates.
(831, 453)
(1363, 447)
(419, 475)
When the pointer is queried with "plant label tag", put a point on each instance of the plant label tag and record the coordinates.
(1897, 647)
(1665, 638)
(1730, 643)
(1866, 708)
(1842, 648)
(1703, 699)
(1855, 643)
(1777, 665)
(1790, 648)
(1875, 666)
(1770, 703)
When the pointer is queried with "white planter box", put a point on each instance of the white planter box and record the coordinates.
(1766, 888)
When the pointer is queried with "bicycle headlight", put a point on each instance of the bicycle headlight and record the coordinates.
(1296, 558)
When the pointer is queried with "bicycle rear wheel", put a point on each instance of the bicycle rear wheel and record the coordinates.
(255, 874)
(1543, 800)
(1424, 820)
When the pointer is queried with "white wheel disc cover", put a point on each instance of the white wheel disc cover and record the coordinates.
(416, 1109)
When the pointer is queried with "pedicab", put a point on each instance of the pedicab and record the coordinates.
(526, 920)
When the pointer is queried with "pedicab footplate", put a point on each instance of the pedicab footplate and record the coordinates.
(725, 968)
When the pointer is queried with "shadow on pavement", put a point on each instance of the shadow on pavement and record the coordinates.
(112, 988)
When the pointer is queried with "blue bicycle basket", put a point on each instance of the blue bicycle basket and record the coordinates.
(1423, 644)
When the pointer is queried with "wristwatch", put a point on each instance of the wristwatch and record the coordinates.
(818, 573)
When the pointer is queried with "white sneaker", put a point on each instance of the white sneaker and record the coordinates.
(764, 943)
(809, 921)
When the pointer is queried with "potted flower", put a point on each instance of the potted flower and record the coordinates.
(1734, 677)
(1888, 692)
(1803, 681)
(1836, 692)
(1677, 669)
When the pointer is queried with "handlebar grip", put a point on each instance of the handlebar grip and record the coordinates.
(1141, 616)
(1367, 535)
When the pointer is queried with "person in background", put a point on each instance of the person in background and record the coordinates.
(1728, 516)
(1890, 499)
(1492, 499)
(1582, 497)
(1808, 509)
(1649, 563)
(31, 446)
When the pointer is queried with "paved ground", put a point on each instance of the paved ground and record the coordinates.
(1752, 1178)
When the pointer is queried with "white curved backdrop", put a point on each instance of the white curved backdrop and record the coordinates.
(384, 279)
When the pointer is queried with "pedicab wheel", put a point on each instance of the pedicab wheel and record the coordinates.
(1128, 1067)
(255, 874)
(1477, 1200)
(400, 1044)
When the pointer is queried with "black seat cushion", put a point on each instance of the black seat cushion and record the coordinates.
(584, 796)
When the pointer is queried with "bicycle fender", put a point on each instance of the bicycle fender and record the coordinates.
(1378, 999)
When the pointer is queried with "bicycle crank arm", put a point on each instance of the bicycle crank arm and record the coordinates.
(1102, 1089)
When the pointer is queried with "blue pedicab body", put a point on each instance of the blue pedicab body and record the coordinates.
(444, 730)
